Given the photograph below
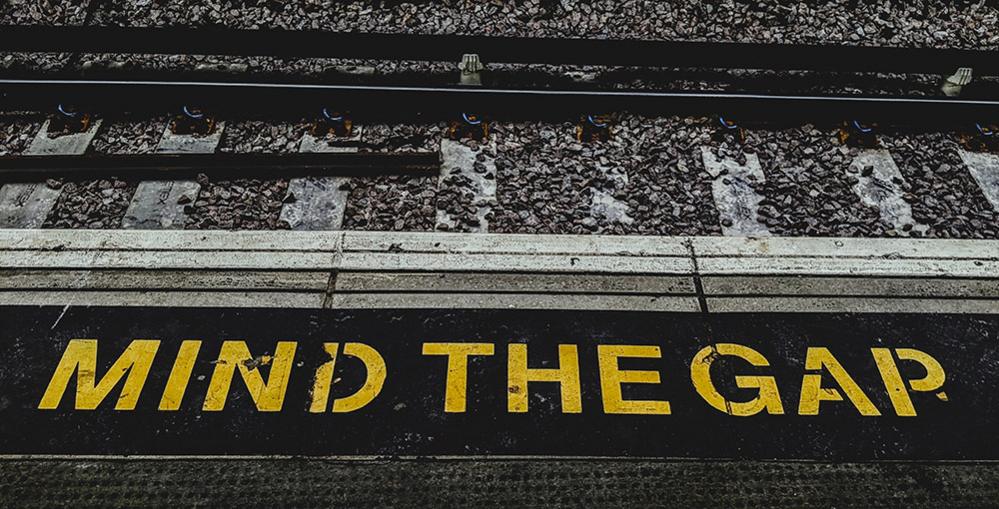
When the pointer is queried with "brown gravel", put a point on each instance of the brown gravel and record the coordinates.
(547, 182)
(807, 190)
(243, 204)
(391, 203)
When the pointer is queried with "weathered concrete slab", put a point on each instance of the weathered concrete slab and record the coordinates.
(295, 300)
(604, 204)
(737, 202)
(171, 143)
(432, 264)
(159, 259)
(849, 286)
(853, 257)
(984, 168)
(67, 144)
(760, 304)
(479, 282)
(439, 300)
(708, 247)
(26, 205)
(138, 240)
(857, 267)
(161, 205)
(442, 242)
(318, 203)
(310, 143)
(467, 262)
(162, 280)
(479, 169)
(880, 185)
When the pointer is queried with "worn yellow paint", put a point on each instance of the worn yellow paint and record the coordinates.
(456, 383)
(812, 392)
(324, 380)
(612, 376)
(377, 371)
(567, 376)
(935, 376)
(897, 392)
(269, 396)
(768, 397)
(80, 356)
(180, 375)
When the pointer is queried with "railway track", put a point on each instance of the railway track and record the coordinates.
(130, 93)
(870, 174)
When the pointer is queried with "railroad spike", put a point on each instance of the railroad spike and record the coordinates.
(593, 128)
(471, 69)
(858, 134)
(333, 123)
(470, 125)
(68, 120)
(192, 120)
(983, 138)
(728, 127)
(953, 85)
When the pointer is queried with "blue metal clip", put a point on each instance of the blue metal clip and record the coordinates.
(471, 121)
(70, 114)
(594, 123)
(331, 118)
(195, 115)
(862, 128)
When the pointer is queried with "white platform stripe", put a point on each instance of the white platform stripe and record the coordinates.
(393, 270)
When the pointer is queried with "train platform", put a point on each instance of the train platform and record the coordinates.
(306, 369)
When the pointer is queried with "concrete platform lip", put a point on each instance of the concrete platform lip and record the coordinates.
(833, 263)
(496, 243)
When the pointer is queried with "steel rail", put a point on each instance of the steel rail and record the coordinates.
(523, 50)
(217, 165)
(429, 101)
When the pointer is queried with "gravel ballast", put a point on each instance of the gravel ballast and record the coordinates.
(942, 192)
(916, 24)
(246, 204)
(103, 203)
(16, 133)
(647, 179)
(807, 191)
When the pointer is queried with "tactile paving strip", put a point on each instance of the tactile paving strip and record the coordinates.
(551, 483)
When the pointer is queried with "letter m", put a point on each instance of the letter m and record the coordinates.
(81, 357)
